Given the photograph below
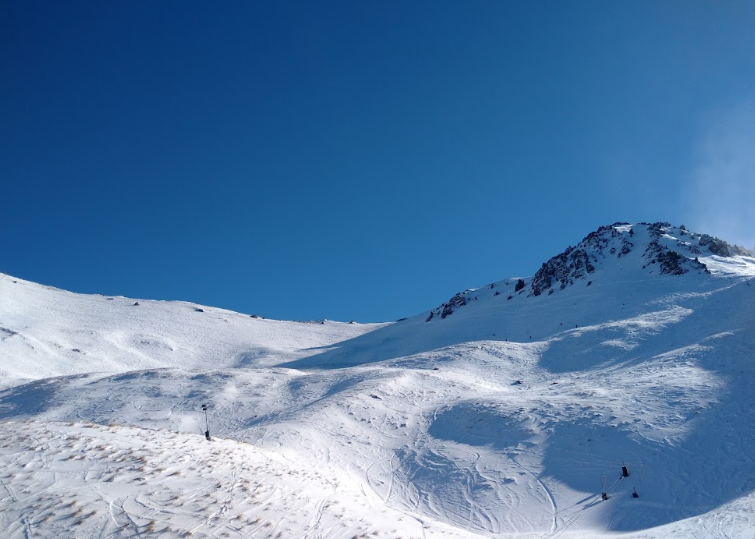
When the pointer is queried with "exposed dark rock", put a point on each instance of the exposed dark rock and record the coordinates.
(721, 248)
(670, 262)
(459, 300)
(626, 247)
(564, 268)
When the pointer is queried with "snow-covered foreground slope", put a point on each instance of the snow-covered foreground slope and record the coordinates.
(503, 418)
(85, 480)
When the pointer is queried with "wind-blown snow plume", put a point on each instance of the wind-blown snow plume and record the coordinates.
(723, 181)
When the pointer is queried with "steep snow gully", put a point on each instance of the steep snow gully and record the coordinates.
(505, 412)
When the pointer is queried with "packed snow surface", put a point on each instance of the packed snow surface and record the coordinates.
(504, 413)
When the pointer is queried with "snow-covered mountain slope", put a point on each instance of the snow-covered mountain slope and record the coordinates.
(46, 332)
(613, 274)
(505, 418)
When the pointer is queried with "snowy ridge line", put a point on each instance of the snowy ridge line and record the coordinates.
(49, 332)
(654, 248)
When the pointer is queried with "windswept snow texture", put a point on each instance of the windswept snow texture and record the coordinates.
(507, 417)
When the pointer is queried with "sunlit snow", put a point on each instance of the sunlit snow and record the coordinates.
(507, 418)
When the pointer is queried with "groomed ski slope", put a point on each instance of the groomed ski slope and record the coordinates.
(507, 418)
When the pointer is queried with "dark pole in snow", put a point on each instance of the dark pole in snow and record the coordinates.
(207, 423)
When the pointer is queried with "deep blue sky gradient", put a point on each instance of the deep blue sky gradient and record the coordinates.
(347, 160)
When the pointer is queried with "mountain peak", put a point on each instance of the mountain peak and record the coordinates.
(646, 249)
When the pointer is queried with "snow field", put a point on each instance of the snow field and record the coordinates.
(464, 444)
(506, 419)
(87, 480)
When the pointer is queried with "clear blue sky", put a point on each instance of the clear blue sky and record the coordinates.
(359, 160)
